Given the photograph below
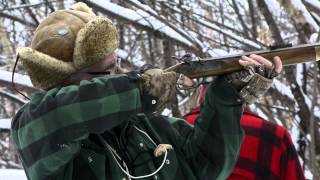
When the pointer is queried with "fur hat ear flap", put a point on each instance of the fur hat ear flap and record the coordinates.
(96, 40)
(44, 71)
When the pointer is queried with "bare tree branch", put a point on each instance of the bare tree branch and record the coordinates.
(13, 97)
(253, 19)
(271, 22)
(299, 20)
(200, 19)
(24, 6)
(155, 32)
(5, 81)
(243, 24)
(14, 18)
(198, 47)
(32, 15)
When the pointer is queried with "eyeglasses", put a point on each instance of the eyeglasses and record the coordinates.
(110, 70)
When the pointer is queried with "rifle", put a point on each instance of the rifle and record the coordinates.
(197, 67)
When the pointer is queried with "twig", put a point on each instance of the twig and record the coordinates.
(182, 33)
(25, 6)
(244, 26)
(138, 25)
(24, 22)
(221, 28)
(13, 97)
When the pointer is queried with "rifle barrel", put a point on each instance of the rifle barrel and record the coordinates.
(228, 64)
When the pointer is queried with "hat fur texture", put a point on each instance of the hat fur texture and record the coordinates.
(80, 6)
(44, 71)
(96, 40)
(66, 42)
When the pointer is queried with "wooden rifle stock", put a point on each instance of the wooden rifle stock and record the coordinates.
(227, 64)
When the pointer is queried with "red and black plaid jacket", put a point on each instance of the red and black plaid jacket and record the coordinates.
(267, 151)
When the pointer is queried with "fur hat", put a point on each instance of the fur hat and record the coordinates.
(65, 42)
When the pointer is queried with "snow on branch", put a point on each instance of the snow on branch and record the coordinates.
(26, 5)
(21, 81)
(18, 78)
(313, 5)
(230, 35)
(274, 7)
(150, 11)
(18, 19)
(13, 97)
(13, 174)
(218, 27)
(301, 7)
(297, 9)
(5, 124)
(283, 89)
(142, 20)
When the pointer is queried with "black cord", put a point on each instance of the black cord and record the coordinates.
(12, 80)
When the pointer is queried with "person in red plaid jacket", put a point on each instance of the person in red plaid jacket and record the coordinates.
(267, 151)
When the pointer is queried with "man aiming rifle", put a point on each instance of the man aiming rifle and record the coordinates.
(89, 122)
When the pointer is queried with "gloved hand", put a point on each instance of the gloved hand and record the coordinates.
(256, 77)
(162, 85)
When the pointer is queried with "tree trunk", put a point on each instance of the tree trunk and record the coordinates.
(168, 52)
(5, 42)
(300, 22)
(270, 21)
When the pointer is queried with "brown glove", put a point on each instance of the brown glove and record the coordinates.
(161, 85)
(252, 82)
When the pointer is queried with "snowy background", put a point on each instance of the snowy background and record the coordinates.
(154, 31)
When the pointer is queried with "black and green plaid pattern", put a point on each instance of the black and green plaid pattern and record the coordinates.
(55, 134)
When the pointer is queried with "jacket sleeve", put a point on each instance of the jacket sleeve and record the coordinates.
(48, 130)
(213, 144)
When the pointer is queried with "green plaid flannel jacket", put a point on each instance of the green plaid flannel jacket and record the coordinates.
(56, 133)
